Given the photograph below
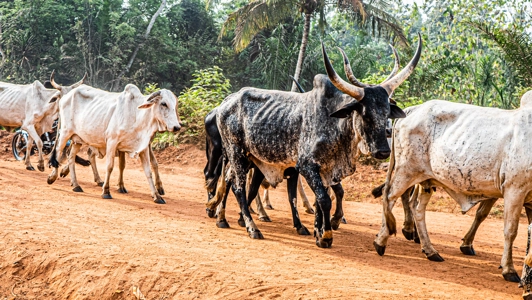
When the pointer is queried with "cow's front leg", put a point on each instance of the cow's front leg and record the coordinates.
(155, 168)
(92, 158)
(322, 223)
(72, 167)
(56, 155)
(424, 194)
(145, 160)
(339, 212)
(292, 177)
(109, 163)
(482, 213)
(33, 136)
(513, 203)
(121, 167)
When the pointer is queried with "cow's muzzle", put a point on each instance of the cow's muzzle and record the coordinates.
(176, 128)
(381, 154)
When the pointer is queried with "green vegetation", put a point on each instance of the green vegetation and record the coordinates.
(476, 52)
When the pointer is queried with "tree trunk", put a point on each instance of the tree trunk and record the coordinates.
(144, 38)
(301, 57)
(2, 53)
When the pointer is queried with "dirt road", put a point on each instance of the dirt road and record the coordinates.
(57, 244)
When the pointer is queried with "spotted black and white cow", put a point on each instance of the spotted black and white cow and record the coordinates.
(318, 134)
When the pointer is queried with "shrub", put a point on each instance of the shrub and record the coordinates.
(208, 90)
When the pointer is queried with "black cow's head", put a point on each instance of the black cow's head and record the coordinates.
(371, 103)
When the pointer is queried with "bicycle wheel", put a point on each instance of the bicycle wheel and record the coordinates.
(18, 145)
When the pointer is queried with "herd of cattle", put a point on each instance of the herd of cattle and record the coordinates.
(260, 137)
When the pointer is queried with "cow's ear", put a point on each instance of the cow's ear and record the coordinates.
(146, 105)
(396, 112)
(55, 97)
(347, 109)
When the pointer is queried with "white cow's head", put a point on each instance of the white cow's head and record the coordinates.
(63, 90)
(163, 104)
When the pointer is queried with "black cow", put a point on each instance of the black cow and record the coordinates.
(315, 134)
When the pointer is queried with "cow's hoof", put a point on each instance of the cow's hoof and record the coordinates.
(265, 219)
(122, 190)
(159, 201)
(30, 168)
(269, 207)
(210, 212)
(160, 191)
(241, 222)
(100, 183)
(107, 196)
(324, 243)
(435, 257)
(335, 223)
(50, 180)
(222, 224)
(78, 189)
(511, 277)
(41, 168)
(303, 230)
(344, 221)
(416, 238)
(63, 174)
(408, 235)
(527, 296)
(309, 211)
(380, 249)
(468, 250)
(256, 235)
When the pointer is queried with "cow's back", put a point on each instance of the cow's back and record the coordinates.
(463, 147)
(13, 98)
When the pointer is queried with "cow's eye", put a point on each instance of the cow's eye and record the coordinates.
(164, 104)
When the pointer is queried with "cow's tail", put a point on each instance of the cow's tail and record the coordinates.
(210, 183)
(388, 215)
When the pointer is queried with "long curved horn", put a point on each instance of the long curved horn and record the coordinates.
(299, 87)
(349, 71)
(75, 85)
(391, 84)
(52, 82)
(395, 67)
(339, 83)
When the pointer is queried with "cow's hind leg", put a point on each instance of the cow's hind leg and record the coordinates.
(121, 166)
(339, 212)
(322, 222)
(424, 194)
(292, 177)
(92, 158)
(110, 161)
(221, 222)
(145, 160)
(266, 196)
(255, 182)
(72, 167)
(409, 227)
(482, 213)
(219, 192)
(304, 198)
(57, 154)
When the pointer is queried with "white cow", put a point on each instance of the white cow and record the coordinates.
(27, 106)
(111, 122)
(474, 153)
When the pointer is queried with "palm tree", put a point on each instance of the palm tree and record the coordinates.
(257, 15)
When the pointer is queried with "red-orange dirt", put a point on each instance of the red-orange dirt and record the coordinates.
(57, 244)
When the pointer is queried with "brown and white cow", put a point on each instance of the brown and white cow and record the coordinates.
(111, 122)
(28, 106)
